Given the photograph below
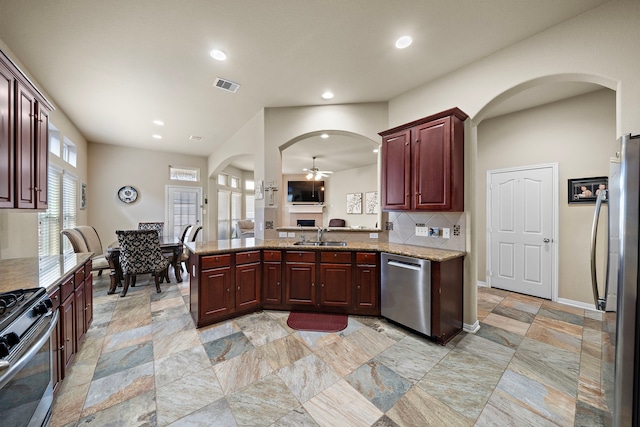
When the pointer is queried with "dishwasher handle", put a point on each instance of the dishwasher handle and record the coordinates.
(406, 265)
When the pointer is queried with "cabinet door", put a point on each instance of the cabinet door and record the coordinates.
(248, 281)
(42, 158)
(300, 283)
(216, 292)
(272, 273)
(88, 302)
(335, 285)
(25, 149)
(80, 314)
(431, 156)
(396, 171)
(67, 328)
(366, 286)
(7, 84)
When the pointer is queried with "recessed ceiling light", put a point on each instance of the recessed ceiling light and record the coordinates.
(156, 136)
(324, 136)
(327, 95)
(158, 122)
(195, 138)
(403, 42)
(218, 55)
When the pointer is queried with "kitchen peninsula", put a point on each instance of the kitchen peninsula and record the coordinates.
(230, 278)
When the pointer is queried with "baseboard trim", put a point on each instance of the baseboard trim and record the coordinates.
(482, 284)
(472, 329)
(578, 304)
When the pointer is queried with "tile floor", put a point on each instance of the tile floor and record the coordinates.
(533, 362)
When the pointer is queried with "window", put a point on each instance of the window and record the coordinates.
(49, 221)
(69, 152)
(249, 185)
(235, 182)
(54, 140)
(61, 213)
(184, 174)
(223, 179)
(249, 201)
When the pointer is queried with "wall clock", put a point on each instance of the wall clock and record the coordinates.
(128, 194)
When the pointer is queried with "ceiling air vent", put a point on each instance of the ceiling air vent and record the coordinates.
(195, 138)
(226, 85)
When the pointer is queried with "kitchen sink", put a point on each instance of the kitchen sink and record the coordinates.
(320, 243)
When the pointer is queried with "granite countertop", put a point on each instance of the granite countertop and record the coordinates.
(236, 245)
(46, 272)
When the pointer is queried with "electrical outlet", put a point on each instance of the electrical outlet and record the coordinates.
(282, 234)
(422, 230)
(291, 234)
(446, 233)
(373, 235)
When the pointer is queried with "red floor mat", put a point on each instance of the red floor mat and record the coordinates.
(317, 322)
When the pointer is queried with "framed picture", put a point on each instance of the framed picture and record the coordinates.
(259, 190)
(586, 190)
(83, 196)
(371, 202)
(354, 203)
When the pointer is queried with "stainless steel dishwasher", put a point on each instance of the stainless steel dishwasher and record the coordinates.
(406, 291)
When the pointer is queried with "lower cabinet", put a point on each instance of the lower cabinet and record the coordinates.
(446, 299)
(220, 287)
(335, 280)
(74, 302)
(366, 284)
(300, 278)
(272, 279)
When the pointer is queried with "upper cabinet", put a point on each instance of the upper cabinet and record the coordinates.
(24, 138)
(423, 164)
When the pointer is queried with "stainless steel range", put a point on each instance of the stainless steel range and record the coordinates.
(26, 387)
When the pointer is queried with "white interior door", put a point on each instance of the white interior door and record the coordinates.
(521, 236)
(183, 207)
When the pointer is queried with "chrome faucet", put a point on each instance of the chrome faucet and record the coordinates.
(302, 238)
(320, 233)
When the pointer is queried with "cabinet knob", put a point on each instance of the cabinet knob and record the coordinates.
(238, 287)
(335, 255)
(322, 285)
(313, 284)
(277, 283)
(61, 348)
(227, 289)
(358, 286)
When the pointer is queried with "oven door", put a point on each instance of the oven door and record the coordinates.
(26, 386)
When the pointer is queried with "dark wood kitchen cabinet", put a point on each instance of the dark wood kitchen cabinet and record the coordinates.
(272, 275)
(248, 280)
(24, 139)
(366, 284)
(446, 299)
(335, 280)
(213, 279)
(300, 278)
(423, 164)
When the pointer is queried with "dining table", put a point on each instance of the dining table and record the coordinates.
(169, 245)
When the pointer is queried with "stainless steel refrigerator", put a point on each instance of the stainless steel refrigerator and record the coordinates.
(621, 320)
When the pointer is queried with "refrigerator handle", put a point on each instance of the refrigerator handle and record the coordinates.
(599, 302)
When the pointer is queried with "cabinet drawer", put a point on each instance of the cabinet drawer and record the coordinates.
(300, 256)
(66, 288)
(365, 258)
(55, 299)
(339, 257)
(79, 274)
(272, 255)
(87, 268)
(213, 261)
(247, 257)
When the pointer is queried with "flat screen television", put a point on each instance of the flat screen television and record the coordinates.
(305, 191)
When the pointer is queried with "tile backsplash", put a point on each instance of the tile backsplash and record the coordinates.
(403, 229)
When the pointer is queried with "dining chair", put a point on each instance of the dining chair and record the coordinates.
(140, 253)
(76, 240)
(93, 243)
(158, 226)
(184, 255)
(169, 254)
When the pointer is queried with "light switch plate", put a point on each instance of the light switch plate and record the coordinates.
(446, 233)
(282, 234)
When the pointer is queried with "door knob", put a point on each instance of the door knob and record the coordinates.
(546, 240)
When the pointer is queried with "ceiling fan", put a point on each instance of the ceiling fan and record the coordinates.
(315, 173)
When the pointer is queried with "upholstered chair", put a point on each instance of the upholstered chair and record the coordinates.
(184, 256)
(140, 253)
(76, 240)
(93, 244)
(158, 226)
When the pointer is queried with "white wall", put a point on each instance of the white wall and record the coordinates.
(598, 46)
(112, 166)
(19, 228)
(577, 133)
(358, 180)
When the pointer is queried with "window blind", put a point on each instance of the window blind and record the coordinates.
(49, 221)
(69, 197)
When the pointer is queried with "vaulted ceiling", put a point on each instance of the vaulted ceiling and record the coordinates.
(116, 66)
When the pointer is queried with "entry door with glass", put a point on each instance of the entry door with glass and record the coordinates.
(184, 207)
